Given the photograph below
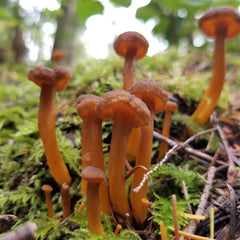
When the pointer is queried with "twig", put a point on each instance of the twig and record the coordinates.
(173, 150)
(232, 171)
(25, 232)
(203, 201)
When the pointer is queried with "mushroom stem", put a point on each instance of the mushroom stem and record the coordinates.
(93, 208)
(66, 200)
(120, 133)
(97, 159)
(47, 192)
(128, 70)
(143, 158)
(165, 132)
(46, 125)
(213, 92)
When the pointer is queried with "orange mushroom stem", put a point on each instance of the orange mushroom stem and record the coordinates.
(92, 142)
(221, 23)
(51, 81)
(47, 192)
(155, 97)
(66, 200)
(126, 111)
(169, 108)
(94, 176)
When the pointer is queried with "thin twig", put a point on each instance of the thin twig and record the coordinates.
(203, 201)
(173, 150)
(232, 171)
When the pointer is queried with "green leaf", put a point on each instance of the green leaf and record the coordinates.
(124, 3)
(87, 8)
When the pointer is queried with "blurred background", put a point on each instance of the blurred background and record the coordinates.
(30, 30)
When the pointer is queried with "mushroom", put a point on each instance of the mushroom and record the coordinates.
(126, 111)
(94, 176)
(91, 140)
(169, 108)
(132, 46)
(66, 200)
(220, 23)
(51, 80)
(47, 192)
(155, 98)
(58, 56)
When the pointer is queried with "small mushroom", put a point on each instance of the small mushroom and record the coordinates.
(155, 97)
(47, 192)
(66, 200)
(169, 108)
(50, 81)
(126, 111)
(220, 23)
(94, 176)
(132, 46)
(58, 56)
(91, 140)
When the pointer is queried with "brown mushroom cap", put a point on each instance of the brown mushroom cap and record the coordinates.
(170, 106)
(227, 17)
(150, 91)
(120, 100)
(93, 174)
(47, 188)
(57, 76)
(131, 41)
(86, 105)
(58, 55)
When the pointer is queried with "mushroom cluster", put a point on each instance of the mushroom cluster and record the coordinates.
(131, 111)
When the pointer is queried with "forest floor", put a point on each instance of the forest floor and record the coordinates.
(202, 171)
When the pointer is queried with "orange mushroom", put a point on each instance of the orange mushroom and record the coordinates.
(221, 23)
(51, 80)
(126, 111)
(155, 98)
(94, 176)
(132, 46)
(169, 108)
(47, 192)
(58, 56)
(66, 200)
(91, 140)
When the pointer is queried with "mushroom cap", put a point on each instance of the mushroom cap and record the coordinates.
(58, 55)
(131, 41)
(58, 76)
(93, 174)
(226, 17)
(170, 106)
(120, 100)
(86, 105)
(47, 188)
(151, 92)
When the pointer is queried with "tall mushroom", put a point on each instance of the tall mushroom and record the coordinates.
(94, 176)
(126, 111)
(132, 46)
(220, 23)
(155, 98)
(169, 108)
(51, 81)
(91, 140)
